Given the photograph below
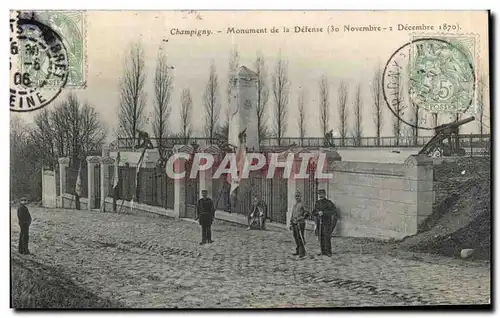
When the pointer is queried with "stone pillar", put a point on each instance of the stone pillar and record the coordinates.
(419, 175)
(180, 183)
(92, 161)
(106, 162)
(63, 164)
(244, 104)
(329, 163)
(206, 182)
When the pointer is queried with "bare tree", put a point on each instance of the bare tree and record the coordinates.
(25, 160)
(358, 116)
(163, 91)
(342, 109)
(376, 89)
(397, 106)
(132, 95)
(324, 104)
(186, 113)
(301, 120)
(44, 136)
(71, 129)
(262, 96)
(281, 91)
(211, 102)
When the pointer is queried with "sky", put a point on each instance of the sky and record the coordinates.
(350, 57)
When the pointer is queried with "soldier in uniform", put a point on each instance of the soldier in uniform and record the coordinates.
(327, 216)
(298, 224)
(24, 218)
(205, 212)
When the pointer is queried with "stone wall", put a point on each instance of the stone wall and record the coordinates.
(68, 202)
(381, 200)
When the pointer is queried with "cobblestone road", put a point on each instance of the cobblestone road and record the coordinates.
(148, 262)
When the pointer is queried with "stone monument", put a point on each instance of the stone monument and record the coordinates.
(244, 109)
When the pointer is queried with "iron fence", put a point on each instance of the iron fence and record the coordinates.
(168, 143)
(58, 182)
(220, 193)
(126, 186)
(71, 177)
(191, 194)
(310, 195)
(97, 187)
(403, 141)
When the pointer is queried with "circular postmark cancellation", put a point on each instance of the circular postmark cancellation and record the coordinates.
(429, 74)
(38, 67)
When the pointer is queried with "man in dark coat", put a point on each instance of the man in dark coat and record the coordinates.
(258, 212)
(327, 216)
(24, 218)
(205, 212)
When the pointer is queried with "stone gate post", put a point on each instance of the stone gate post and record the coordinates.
(206, 182)
(176, 164)
(63, 164)
(419, 175)
(106, 162)
(92, 161)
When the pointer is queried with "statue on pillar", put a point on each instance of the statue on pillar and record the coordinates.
(329, 139)
(143, 140)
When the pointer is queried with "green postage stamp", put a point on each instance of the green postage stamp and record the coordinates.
(443, 73)
(71, 28)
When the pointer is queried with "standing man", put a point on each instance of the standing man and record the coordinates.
(259, 212)
(205, 212)
(298, 224)
(327, 215)
(24, 218)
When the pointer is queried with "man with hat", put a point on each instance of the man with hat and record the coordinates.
(327, 216)
(24, 218)
(258, 212)
(205, 212)
(298, 224)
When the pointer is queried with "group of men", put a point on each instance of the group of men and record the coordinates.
(324, 212)
(326, 216)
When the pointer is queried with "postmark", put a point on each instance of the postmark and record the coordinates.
(45, 65)
(71, 27)
(442, 75)
(432, 75)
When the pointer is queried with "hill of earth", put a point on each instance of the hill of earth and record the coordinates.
(461, 216)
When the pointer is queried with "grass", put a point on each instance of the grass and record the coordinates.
(35, 286)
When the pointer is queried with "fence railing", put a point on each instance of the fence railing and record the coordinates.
(168, 143)
(71, 177)
(403, 141)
